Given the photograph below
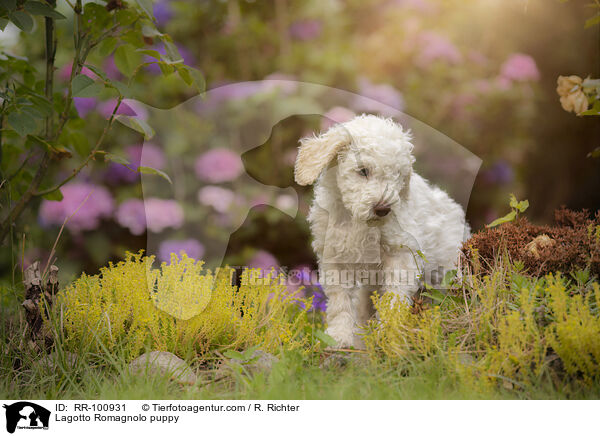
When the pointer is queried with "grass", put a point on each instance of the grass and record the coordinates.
(496, 320)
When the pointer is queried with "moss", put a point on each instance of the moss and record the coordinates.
(575, 236)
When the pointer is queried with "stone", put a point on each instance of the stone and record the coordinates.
(52, 360)
(164, 363)
(538, 243)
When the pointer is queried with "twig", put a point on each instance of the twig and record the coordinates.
(88, 158)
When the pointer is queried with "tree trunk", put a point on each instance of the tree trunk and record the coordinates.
(38, 298)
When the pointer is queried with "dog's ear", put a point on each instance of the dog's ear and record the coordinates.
(316, 152)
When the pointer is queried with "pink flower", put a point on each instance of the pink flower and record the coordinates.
(219, 165)
(219, 198)
(335, 115)
(191, 247)
(64, 73)
(520, 68)
(307, 29)
(380, 98)
(147, 154)
(132, 215)
(130, 108)
(87, 203)
(435, 47)
(161, 214)
(106, 109)
(264, 260)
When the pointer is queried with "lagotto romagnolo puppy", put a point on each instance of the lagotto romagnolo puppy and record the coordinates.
(376, 224)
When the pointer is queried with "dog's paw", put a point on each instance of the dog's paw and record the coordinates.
(345, 341)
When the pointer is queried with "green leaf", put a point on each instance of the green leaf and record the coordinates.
(325, 338)
(422, 256)
(107, 46)
(3, 23)
(505, 219)
(38, 8)
(232, 354)
(109, 157)
(58, 150)
(147, 7)
(136, 124)
(22, 123)
(22, 20)
(127, 59)
(594, 153)
(80, 82)
(150, 170)
(152, 53)
(150, 31)
(9, 5)
(54, 195)
(172, 52)
(165, 68)
(522, 206)
(592, 21)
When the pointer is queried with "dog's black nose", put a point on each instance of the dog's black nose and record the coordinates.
(382, 210)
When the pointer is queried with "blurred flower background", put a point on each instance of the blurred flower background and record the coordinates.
(482, 72)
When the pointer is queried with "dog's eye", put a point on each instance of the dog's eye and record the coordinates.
(363, 172)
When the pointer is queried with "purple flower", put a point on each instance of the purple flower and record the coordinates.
(147, 154)
(106, 109)
(132, 215)
(307, 29)
(381, 98)
(435, 47)
(64, 73)
(161, 214)
(163, 12)
(87, 203)
(110, 68)
(84, 105)
(263, 260)
(218, 165)
(499, 173)
(520, 68)
(219, 198)
(191, 247)
(319, 301)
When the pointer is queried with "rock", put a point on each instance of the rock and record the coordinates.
(164, 363)
(538, 243)
(51, 361)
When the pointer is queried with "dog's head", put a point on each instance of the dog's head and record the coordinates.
(374, 163)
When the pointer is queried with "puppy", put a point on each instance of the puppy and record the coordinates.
(376, 224)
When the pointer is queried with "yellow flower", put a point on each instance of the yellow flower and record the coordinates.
(572, 97)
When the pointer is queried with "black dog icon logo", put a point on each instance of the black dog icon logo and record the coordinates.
(26, 415)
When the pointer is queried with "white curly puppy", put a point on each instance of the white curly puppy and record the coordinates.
(376, 224)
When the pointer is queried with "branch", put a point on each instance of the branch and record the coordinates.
(16, 211)
(89, 157)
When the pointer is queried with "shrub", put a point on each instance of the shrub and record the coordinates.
(503, 326)
(399, 333)
(179, 307)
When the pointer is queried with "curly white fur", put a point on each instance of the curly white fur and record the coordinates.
(359, 251)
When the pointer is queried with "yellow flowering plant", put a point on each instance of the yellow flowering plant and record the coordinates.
(182, 308)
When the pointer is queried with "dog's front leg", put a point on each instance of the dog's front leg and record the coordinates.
(402, 276)
(342, 315)
(401, 263)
